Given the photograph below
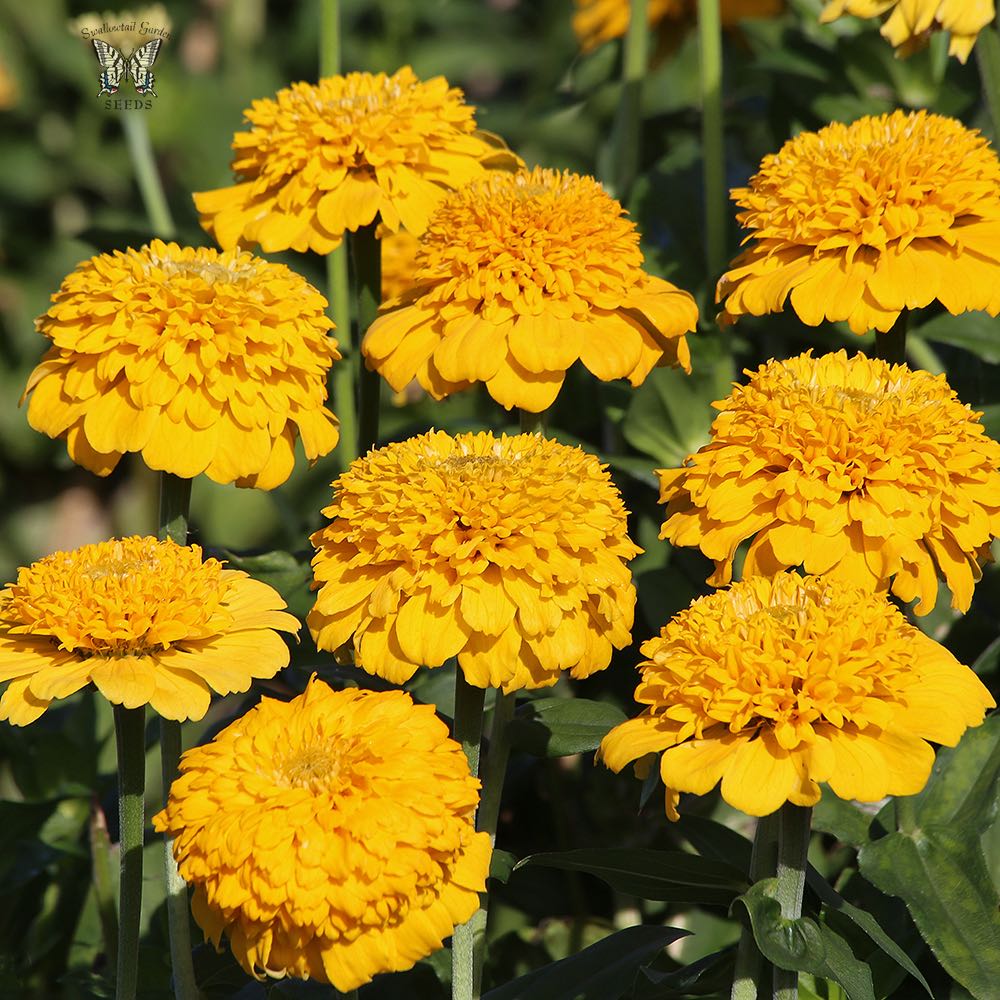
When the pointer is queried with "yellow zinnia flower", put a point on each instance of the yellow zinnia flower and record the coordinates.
(200, 361)
(509, 553)
(148, 622)
(331, 837)
(320, 159)
(858, 222)
(775, 685)
(911, 22)
(848, 466)
(518, 276)
(598, 21)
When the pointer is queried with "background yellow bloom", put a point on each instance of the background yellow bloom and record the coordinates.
(322, 159)
(598, 21)
(872, 473)
(200, 361)
(774, 686)
(330, 837)
(519, 276)
(911, 22)
(858, 222)
(509, 553)
(148, 622)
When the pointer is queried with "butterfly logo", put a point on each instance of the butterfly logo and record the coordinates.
(139, 66)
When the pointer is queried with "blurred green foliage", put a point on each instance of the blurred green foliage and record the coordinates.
(67, 191)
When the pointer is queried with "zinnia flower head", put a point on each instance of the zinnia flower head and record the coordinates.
(776, 685)
(871, 473)
(331, 837)
(911, 22)
(200, 361)
(858, 222)
(509, 553)
(520, 275)
(149, 622)
(598, 21)
(321, 159)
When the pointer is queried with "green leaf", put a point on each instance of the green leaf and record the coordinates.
(502, 865)
(962, 790)
(711, 975)
(845, 821)
(866, 922)
(942, 877)
(604, 971)
(558, 727)
(803, 944)
(672, 876)
(977, 332)
(671, 413)
(712, 839)
(288, 575)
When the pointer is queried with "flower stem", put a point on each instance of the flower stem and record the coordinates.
(532, 423)
(906, 814)
(891, 345)
(329, 38)
(338, 287)
(793, 844)
(467, 729)
(130, 737)
(712, 134)
(627, 133)
(140, 151)
(344, 403)
(366, 254)
(750, 968)
(175, 505)
(988, 60)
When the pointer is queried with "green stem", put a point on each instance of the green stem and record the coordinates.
(104, 894)
(338, 286)
(988, 60)
(329, 38)
(344, 403)
(627, 134)
(532, 423)
(793, 845)
(495, 766)
(175, 504)
(712, 134)
(130, 736)
(750, 968)
(140, 151)
(891, 345)
(467, 730)
(366, 254)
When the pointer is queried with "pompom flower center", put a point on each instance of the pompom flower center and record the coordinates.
(238, 270)
(787, 654)
(879, 181)
(125, 597)
(317, 767)
(529, 237)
